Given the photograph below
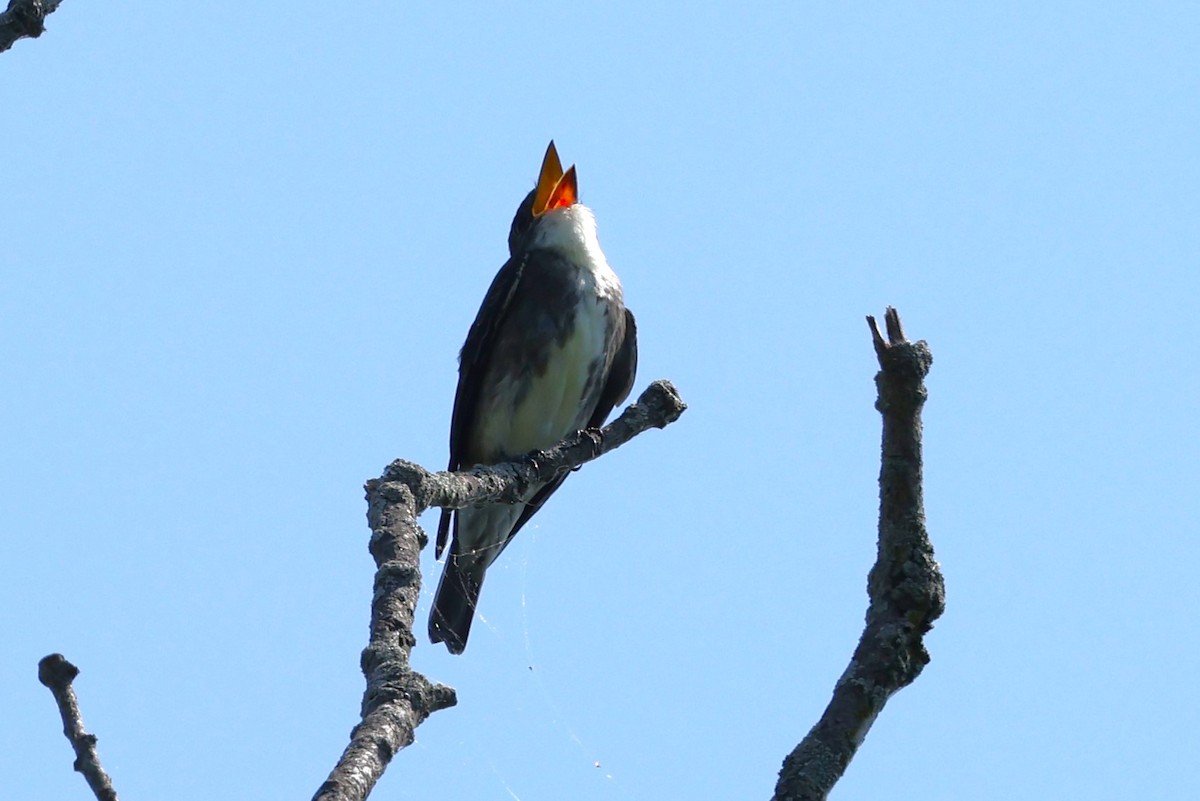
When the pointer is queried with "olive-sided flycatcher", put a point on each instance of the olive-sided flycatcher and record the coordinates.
(552, 350)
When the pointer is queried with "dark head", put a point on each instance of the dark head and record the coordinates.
(555, 190)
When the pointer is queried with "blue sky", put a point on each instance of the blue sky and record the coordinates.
(243, 245)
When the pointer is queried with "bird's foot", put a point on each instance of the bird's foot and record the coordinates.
(596, 436)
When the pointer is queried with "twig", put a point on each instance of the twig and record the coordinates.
(57, 673)
(397, 698)
(906, 588)
(24, 18)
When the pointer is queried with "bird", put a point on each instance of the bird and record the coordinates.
(551, 351)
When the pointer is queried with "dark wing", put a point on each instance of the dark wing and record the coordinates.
(620, 377)
(472, 364)
(616, 389)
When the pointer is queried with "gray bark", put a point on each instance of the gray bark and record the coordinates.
(24, 18)
(905, 587)
(57, 674)
(397, 698)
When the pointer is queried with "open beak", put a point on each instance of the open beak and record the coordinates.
(555, 189)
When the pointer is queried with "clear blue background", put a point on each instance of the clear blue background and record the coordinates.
(242, 244)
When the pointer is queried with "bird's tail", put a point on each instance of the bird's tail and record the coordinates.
(454, 604)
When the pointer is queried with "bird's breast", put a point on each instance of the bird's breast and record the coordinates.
(550, 362)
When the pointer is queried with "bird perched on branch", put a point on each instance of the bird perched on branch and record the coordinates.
(552, 350)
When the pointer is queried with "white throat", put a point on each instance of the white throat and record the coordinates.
(572, 232)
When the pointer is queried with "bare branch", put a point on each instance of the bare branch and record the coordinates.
(57, 673)
(397, 698)
(905, 586)
(658, 406)
(24, 18)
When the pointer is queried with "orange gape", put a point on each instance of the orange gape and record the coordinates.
(566, 192)
(555, 190)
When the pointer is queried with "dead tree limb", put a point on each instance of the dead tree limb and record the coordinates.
(906, 589)
(397, 698)
(56, 673)
(24, 18)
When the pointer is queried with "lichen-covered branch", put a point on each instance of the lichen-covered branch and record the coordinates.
(24, 18)
(906, 588)
(397, 698)
(57, 673)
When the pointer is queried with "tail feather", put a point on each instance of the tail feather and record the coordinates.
(455, 602)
